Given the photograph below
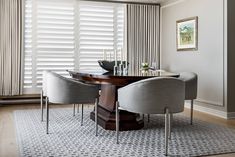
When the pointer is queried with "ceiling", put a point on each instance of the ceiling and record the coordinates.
(141, 1)
(145, 1)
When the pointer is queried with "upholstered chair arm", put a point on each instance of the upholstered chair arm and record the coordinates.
(44, 82)
(68, 91)
(152, 96)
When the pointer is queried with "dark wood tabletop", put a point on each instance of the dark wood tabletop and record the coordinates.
(119, 79)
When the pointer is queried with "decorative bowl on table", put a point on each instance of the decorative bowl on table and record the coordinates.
(108, 65)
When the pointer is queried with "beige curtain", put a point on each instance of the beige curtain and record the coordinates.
(10, 46)
(142, 35)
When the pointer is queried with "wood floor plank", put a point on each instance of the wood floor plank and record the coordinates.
(8, 144)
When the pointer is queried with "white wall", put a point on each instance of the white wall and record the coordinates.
(208, 60)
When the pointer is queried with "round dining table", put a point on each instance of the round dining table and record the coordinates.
(109, 84)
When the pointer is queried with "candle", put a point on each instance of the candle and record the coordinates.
(121, 55)
(110, 56)
(118, 55)
(126, 60)
(115, 57)
(104, 54)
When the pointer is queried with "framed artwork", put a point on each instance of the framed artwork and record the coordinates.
(187, 34)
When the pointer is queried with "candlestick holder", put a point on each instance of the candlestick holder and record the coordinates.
(115, 70)
(125, 71)
(120, 70)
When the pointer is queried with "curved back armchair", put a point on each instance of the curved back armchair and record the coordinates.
(152, 96)
(191, 82)
(61, 90)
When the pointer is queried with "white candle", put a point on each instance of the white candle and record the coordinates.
(104, 54)
(110, 56)
(118, 56)
(115, 55)
(121, 56)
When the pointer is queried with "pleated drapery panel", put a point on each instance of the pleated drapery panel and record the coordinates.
(10, 46)
(142, 35)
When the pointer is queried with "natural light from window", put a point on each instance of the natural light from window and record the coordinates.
(64, 35)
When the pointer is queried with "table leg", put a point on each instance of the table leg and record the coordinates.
(106, 112)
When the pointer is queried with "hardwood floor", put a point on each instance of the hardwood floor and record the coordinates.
(8, 143)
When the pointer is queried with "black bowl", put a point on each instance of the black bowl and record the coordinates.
(108, 65)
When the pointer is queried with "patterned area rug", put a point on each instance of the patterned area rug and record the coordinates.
(68, 138)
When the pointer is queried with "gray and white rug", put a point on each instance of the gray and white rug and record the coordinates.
(68, 138)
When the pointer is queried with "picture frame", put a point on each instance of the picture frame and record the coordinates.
(187, 34)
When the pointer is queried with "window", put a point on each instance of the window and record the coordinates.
(100, 27)
(63, 35)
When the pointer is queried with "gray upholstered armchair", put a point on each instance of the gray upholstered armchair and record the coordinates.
(190, 80)
(43, 95)
(61, 90)
(152, 96)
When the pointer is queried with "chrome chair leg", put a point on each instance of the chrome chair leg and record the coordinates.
(82, 116)
(47, 111)
(191, 117)
(148, 118)
(78, 108)
(96, 116)
(170, 124)
(42, 105)
(166, 131)
(74, 107)
(117, 122)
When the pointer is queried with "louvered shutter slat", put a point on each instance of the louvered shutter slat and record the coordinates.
(56, 21)
(61, 35)
(49, 40)
(97, 32)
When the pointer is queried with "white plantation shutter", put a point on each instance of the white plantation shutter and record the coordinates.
(55, 37)
(100, 28)
(28, 71)
(120, 27)
(63, 35)
(49, 40)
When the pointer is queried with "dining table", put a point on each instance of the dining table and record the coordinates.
(109, 84)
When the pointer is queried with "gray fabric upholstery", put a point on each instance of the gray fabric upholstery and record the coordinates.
(190, 80)
(153, 96)
(63, 90)
(162, 95)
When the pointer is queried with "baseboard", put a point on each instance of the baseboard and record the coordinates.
(231, 115)
(210, 111)
(19, 101)
(16, 97)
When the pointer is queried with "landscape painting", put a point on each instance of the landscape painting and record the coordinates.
(187, 34)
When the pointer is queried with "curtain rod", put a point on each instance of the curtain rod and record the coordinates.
(124, 2)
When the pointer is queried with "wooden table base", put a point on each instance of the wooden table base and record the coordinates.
(128, 121)
(106, 112)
